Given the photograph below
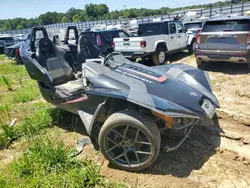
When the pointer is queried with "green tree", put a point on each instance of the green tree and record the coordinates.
(64, 19)
(72, 12)
(76, 18)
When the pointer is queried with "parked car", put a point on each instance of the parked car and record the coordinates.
(5, 40)
(12, 52)
(193, 28)
(155, 39)
(224, 39)
(104, 39)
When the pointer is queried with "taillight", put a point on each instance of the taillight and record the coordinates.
(199, 30)
(143, 44)
(248, 39)
(113, 44)
(17, 52)
(198, 39)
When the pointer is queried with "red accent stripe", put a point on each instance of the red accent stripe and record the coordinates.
(77, 100)
(158, 79)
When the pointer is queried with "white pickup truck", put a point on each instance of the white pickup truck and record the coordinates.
(155, 39)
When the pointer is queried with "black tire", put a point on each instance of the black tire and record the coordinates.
(157, 60)
(191, 47)
(248, 65)
(143, 124)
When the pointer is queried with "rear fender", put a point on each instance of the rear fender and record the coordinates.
(160, 43)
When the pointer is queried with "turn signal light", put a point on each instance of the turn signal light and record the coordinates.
(168, 120)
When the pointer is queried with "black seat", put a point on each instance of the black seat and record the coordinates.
(86, 49)
(53, 60)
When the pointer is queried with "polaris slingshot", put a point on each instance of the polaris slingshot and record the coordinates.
(124, 106)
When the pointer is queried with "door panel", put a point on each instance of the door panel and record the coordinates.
(172, 39)
(181, 35)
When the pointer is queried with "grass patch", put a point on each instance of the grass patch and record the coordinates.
(31, 125)
(12, 68)
(47, 163)
(26, 94)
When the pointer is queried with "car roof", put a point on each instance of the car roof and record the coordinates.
(160, 22)
(193, 22)
(110, 30)
(5, 36)
(230, 18)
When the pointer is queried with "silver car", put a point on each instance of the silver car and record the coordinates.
(224, 39)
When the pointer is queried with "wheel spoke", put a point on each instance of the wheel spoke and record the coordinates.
(112, 141)
(112, 148)
(137, 157)
(137, 134)
(125, 132)
(145, 143)
(117, 133)
(143, 152)
(119, 156)
(129, 164)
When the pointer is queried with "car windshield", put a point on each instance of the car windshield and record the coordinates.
(150, 29)
(193, 25)
(227, 25)
(117, 59)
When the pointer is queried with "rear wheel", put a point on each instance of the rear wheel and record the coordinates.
(159, 56)
(248, 65)
(130, 140)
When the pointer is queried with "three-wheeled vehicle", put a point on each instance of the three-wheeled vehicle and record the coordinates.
(124, 106)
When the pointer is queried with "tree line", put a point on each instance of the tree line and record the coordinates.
(96, 12)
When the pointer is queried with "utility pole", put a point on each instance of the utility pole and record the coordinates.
(124, 7)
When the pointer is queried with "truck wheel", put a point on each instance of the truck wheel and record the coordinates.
(130, 140)
(191, 47)
(159, 57)
(248, 65)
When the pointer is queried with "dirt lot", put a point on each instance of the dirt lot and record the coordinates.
(216, 156)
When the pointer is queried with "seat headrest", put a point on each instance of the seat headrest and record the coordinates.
(45, 45)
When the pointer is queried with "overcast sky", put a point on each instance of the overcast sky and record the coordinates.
(33, 8)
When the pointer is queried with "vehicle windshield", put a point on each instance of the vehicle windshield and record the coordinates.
(117, 59)
(150, 29)
(227, 25)
(193, 25)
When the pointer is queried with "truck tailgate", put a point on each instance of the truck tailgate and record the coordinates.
(128, 44)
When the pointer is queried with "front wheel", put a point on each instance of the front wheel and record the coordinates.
(191, 47)
(130, 140)
(159, 56)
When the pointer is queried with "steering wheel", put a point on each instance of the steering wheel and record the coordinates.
(109, 56)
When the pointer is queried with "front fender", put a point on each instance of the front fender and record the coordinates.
(190, 38)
